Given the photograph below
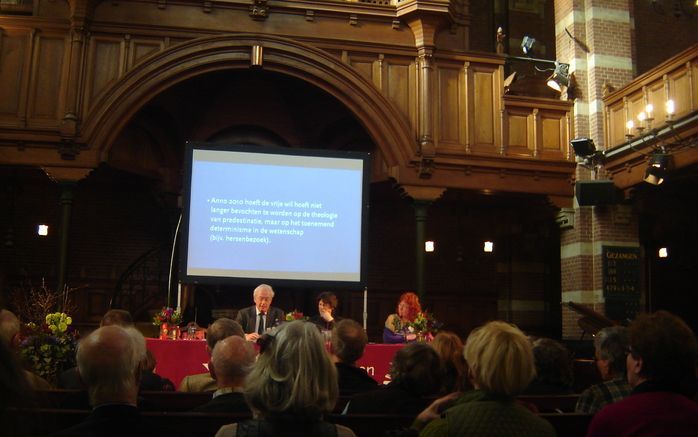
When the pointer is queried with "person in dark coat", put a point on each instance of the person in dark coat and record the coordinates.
(348, 344)
(255, 320)
(327, 305)
(415, 374)
(109, 362)
(231, 361)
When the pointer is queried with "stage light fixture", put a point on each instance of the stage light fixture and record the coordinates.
(658, 168)
(583, 147)
(527, 44)
(560, 77)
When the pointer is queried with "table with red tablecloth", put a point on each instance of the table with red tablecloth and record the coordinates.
(179, 358)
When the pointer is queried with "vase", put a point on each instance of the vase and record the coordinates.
(164, 331)
(421, 337)
(174, 332)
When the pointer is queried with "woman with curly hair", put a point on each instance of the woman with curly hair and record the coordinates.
(449, 347)
(396, 325)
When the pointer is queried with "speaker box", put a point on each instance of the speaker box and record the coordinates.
(591, 193)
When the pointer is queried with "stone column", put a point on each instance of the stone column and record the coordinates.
(596, 38)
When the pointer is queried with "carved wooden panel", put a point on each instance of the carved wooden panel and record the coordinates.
(518, 131)
(553, 135)
(484, 114)
(363, 66)
(616, 124)
(694, 86)
(14, 63)
(657, 97)
(680, 90)
(140, 48)
(398, 86)
(448, 109)
(47, 77)
(636, 105)
(104, 66)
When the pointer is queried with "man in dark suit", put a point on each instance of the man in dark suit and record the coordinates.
(109, 362)
(231, 361)
(348, 343)
(256, 319)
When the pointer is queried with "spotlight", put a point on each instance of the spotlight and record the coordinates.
(657, 170)
(583, 147)
(560, 77)
(527, 44)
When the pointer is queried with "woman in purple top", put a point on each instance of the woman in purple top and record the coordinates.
(396, 328)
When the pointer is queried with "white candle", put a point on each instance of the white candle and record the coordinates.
(670, 107)
(630, 125)
(649, 109)
(641, 116)
(179, 296)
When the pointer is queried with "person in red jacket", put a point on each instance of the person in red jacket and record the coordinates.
(661, 366)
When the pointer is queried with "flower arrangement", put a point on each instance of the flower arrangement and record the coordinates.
(49, 348)
(167, 315)
(295, 315)
(424, 324)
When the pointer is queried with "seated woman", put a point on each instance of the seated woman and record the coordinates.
(395, 330)
(292, 385)
(326, 306)
(449, 347)
(554, 369)
(501, 365)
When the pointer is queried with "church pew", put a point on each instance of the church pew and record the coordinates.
(569, 424)
(552, 403)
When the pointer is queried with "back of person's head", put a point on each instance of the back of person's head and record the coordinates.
(328, 298)
(553, 362)
(220, 329)
(417, 369)
(117, 317)
(348, 341)
(667, 347)
(293, 374)
(109, 362)
(9, 327)
(611, 344)
(232, 360)
(449, 347)
(500, 358)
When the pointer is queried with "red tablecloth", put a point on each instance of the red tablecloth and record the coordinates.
(179, 358)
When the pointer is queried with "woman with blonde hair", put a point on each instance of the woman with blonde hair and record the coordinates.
(501, 365)
(449, 347)
(292, 386)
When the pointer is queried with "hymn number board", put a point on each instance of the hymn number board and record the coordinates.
(621, 281)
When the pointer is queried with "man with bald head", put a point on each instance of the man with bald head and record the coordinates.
(231, 362)
(217, 331)
(255, 320)
(9, 335)
(109, 362)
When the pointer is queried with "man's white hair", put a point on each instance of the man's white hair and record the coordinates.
(262, 287)
(109, 361)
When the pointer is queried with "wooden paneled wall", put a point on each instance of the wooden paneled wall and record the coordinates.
(675, 79)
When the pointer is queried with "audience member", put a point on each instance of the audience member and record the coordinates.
(661, 364)
(232, 359)
(610, 346)
(109, 362)
(9, 335)
(326, 305)
(396, 328)
(501, 365)
(415, 374)
(291, 387)
(554, 369)
(220, 329)
(449, 347)
(151, 381)
(257, 318)
(14, 391)
(348, 343)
